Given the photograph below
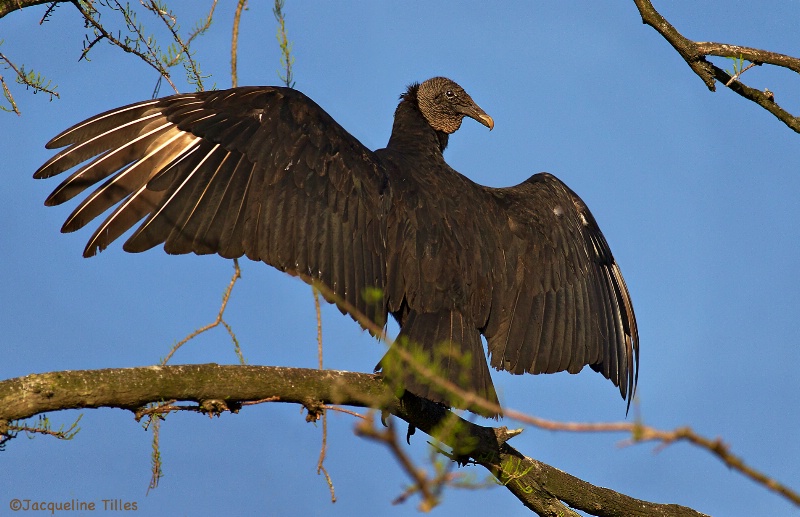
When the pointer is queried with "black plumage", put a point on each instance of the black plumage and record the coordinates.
(265, 172)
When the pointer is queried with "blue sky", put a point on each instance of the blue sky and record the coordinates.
(695, 192)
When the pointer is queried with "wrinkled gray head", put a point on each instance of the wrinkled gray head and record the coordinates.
(444, 104)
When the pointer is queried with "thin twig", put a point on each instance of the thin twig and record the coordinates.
(261, 401)
(343, 410)
(287, 60)
(388, 437)
(318, 311)
(156, 466)
(170, 21)
(323, 449)
(50, 9)
(25, 79)
(104, 34)
(735, 77)
(9, 97)
(237, 16)
(154, 418)
(237, 274)
(43, 427)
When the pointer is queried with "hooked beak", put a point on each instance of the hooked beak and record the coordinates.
(475, 112)
(486, 120)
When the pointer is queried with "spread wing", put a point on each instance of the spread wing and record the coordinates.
(256, 171)
(559, 301)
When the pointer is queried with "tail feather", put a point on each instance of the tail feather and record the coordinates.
(440, 346)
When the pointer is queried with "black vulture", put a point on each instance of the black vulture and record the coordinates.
(265, 172)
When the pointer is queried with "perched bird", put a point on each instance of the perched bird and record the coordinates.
(265, 172)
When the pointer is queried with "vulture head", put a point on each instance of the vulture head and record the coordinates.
(444, 105)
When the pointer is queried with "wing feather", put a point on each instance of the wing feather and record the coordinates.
(570, 307)
(207, 204)
(256, 171)
(532, 344)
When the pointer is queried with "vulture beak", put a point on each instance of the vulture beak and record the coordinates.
(486, 120)
(474, 111)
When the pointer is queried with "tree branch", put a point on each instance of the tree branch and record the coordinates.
(695, 53)
(9, 6)
(216, 388)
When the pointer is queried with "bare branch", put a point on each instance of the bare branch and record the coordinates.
(218, 388)
(9, 6)
(695, 53)
(753, 55)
